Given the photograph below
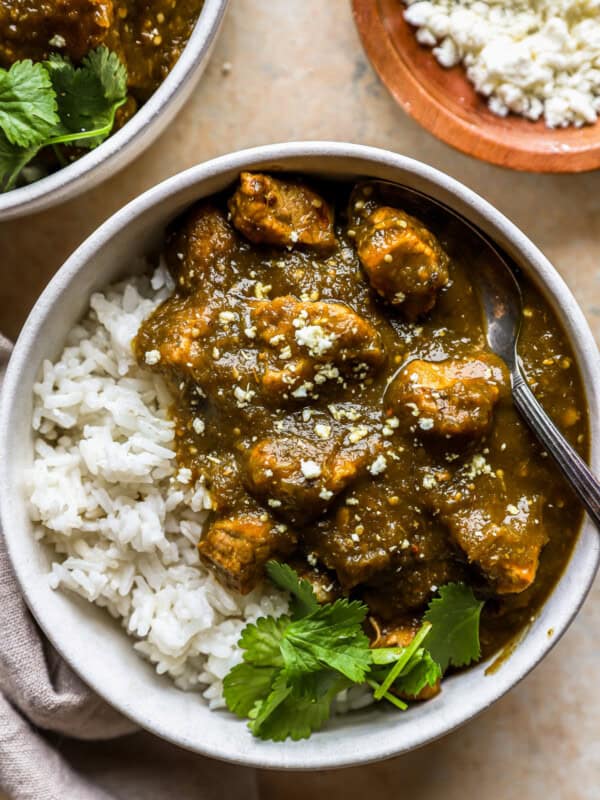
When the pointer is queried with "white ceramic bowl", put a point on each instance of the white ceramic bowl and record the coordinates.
(134, 137)
(95, 645)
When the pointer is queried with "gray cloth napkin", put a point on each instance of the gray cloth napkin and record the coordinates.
(60, 741)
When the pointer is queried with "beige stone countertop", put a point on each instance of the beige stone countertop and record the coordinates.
(298, 72)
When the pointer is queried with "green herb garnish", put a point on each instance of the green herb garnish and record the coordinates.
(28, 109)
(303, 600)
(294, 666)
(454, 635)
(53, 102)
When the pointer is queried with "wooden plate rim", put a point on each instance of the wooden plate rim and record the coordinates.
(447, 126)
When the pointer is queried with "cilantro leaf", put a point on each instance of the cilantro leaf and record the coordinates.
(297, 660)
(28, 109)
(245, 685)
(88, 96)
(12, 161)
(333, 637)
(420, 672)
(295, 665)
(284, 577)
(261, 641)
(110, 71)
(56, 103)
(454, 635)
(263, 709)
(81, 102)
(296, 709)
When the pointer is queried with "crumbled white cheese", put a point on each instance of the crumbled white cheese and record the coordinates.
(152, 357)
(198, 425)
(310, 469)
(378, 466)
(323, 430)
(357, 433)
(300, 320)
(304, 389)
(261, 290)
(57, 41)
(390, 426)
(539, 60)
(315, 339)
(425, 423)
(273, 502)
(477, 466)
(429, 481)
(225, 317)
(243, 396)
(335, 412)
(326, 372)
(325, 494)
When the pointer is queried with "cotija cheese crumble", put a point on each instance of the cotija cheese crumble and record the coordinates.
(536, 58)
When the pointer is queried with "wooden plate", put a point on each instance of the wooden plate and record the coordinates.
(443, 101)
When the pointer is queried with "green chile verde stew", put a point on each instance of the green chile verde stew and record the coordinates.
(331, 384)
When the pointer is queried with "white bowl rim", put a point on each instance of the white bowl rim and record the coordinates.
(321, 751)
(139, 132)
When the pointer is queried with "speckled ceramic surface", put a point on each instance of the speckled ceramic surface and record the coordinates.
(297, 72)
(75, 628)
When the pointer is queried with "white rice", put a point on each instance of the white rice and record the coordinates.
(108, 497)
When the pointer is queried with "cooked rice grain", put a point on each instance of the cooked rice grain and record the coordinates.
(106, 497)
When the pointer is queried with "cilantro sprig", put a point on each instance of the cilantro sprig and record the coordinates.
(294, 665)
(53, 102)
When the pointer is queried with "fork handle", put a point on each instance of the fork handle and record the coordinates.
(577, 473)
